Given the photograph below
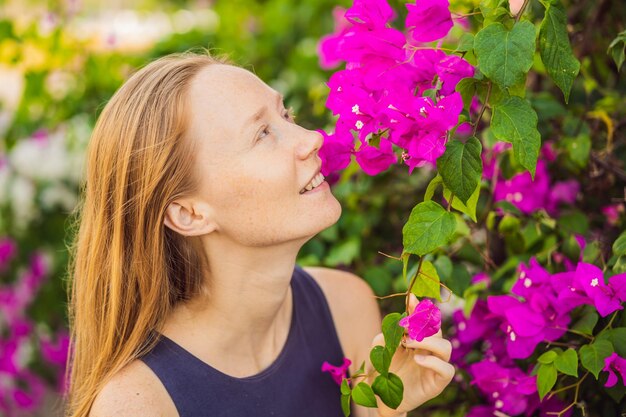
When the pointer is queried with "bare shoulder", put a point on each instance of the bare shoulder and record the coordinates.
(354, 308)
(134, 391)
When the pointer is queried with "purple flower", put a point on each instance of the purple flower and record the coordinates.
(507, 389)
(429, 20)
(614, 364)
(375, 160)
(606, 298)
(336, 151)
(337, 372)
(329, 44)
(612, 213)
(423, 322)
(8, 250)
(370, 14)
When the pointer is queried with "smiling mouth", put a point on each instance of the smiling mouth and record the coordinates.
(315, 182)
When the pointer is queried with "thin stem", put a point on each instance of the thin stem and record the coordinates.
(389, 296)
(482, 110)
(577, 385)
(574, 332)
(457, 15)
(450, 202)
(408, 292)
(521, 11)
(389, 256)
(608, 326)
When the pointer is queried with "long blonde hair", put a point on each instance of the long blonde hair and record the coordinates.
(127, 270)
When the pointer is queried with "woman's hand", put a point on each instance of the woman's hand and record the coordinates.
(423, 367)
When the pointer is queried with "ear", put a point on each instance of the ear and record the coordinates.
(189, 219)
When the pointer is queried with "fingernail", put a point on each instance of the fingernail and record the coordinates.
(419, 357)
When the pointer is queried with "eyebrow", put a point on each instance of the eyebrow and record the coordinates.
(262, 111)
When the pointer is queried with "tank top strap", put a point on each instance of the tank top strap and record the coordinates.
(293, 384)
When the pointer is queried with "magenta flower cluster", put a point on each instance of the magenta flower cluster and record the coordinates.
(393, 90)
(510, 327)
(522, 191)
(20, 388)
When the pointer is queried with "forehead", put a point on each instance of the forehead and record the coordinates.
(219, 90)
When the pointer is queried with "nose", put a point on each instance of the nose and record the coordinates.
(310, 144)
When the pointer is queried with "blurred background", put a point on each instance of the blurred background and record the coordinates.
(61, 60)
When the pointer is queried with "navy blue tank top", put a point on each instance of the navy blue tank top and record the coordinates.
(293, 385)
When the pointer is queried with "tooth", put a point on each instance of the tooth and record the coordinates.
(309, 187)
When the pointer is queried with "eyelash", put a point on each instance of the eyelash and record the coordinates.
(289, 113)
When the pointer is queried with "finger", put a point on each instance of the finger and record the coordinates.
(438, 346)
(442, 368)
(413, 301)
(378, 340)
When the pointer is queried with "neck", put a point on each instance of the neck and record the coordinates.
(246, 310)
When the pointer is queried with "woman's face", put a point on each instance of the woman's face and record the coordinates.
(252, 161)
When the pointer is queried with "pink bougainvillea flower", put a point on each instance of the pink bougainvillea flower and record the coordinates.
(329, 44)
(336, 151)
(606, 298)
(337, 372)
(612, 213)
(8, 250)
(614, 364)
(370, 14)
(55, 352)
(423, 322)
(429, 20)
(373, 160)
(508, 388)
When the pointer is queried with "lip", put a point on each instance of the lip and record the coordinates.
(319, 169)
(323, 185)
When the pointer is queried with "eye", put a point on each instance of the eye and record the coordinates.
(264, 132)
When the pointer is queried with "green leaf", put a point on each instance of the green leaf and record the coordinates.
(547, 357)
(617, 49)
(494, 10)
(392, 331)
(592, 355)
(444, 267)
(380, 358)
(554, 47)
(587, 322)
(578, 148)
(345, 404)
(567, 362)
(546, 378)
(345, 388)
(427, 282)
(460, 279)
(364, 395)
(432, 187)
(390, 389)
(508, 225)
(461, 167)
(429, 227)
(620, 265)
(470, 208)
(361, 368)
(467, 88)
(515, 121)
(505, 56)
(619, 246)
(466, 42)
(617, 337)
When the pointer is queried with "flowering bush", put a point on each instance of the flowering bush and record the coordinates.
(539, 317)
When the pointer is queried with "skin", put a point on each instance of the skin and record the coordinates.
(251, 222)
(249, 216)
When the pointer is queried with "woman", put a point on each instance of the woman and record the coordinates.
(186, 300)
